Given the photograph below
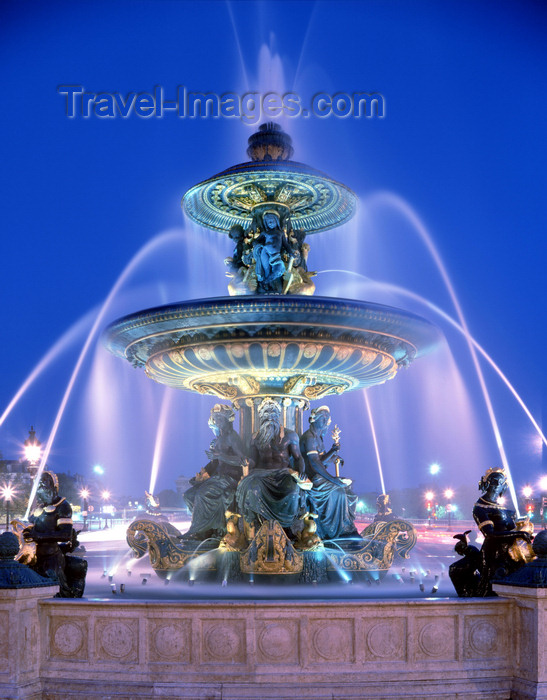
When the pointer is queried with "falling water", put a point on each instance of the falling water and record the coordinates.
(422, 300)
(56, 350)
(158, 241)
(160, 435)
(238, 44)
(399, 204)
(375, 440)
(401, 290)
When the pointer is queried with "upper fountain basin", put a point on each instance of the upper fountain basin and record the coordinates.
(315, 201)
(235, 347)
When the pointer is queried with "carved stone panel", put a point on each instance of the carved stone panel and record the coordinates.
(277, 642)
(484, 637)
(68, 638)
(117, 639)
(223, 641)
(4, 635)
(527, 641)
(385, 639)
(436, 638)
(170, 641)
(332, 640)
(28, 639)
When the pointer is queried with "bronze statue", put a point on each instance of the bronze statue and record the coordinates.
(52, 531)
(308, 538)
(506, 546)
(384, 512)
(300, 248)
(213, 488)
(273, 488)
(153, 506)
(331, 497)
(268, 249)
(237, 235)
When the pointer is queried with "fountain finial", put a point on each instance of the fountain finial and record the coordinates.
(270, 142)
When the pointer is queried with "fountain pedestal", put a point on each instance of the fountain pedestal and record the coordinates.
(278, 650)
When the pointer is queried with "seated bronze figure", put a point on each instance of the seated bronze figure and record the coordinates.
(213, 488)
(506, 546)
(52, 531)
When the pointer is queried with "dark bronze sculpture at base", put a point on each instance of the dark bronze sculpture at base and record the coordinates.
(279, 524)
(46, 545)
(506, 547)
(213, 489)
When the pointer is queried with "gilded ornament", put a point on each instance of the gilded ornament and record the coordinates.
(271, 552)
(310, 351)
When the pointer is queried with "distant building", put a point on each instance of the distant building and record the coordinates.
(14, 466)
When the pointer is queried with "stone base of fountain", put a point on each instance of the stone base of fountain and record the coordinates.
(376, 649)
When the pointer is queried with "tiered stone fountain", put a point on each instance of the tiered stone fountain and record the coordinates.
(271, 338)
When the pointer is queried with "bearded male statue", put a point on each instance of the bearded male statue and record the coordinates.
(273, 490)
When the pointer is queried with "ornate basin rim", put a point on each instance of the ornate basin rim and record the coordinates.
(313, 314)
(215, 204)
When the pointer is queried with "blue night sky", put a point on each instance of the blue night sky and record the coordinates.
(462, 145)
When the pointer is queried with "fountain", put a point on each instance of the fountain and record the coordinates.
(269, 352)
(272, 341)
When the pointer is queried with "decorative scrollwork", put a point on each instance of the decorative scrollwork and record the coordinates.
(162, 540)
(318, 391)
(222, 390)
(381, 541)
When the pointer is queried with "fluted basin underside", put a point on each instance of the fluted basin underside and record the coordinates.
(238, 347)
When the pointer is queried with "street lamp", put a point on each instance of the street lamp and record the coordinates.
(434, 468)
(84, 494)
(448, 495)
(33, 452)
(7, 492)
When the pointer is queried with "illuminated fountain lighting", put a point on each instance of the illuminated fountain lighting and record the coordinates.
(160, 437)
(375, 441)
(161, 427)
(395, 202)
(274, 341)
